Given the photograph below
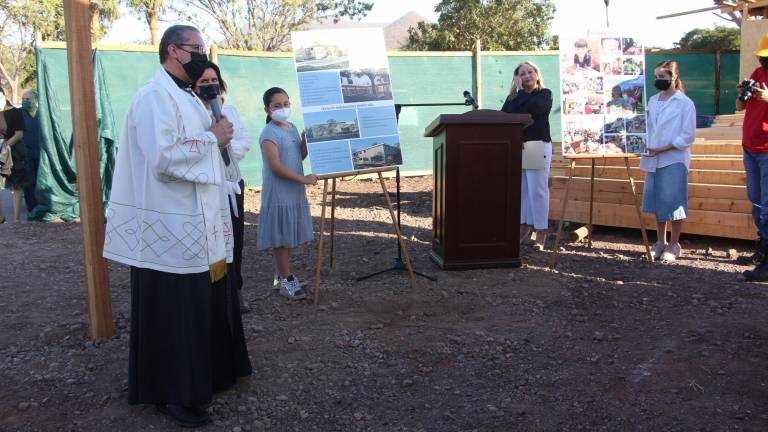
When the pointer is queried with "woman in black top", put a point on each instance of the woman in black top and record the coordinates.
(528, 95)
(12, 133)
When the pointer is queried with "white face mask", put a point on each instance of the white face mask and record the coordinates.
(281, 114)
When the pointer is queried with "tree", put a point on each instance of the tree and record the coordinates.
(23, 22)
(20, 21)
(150, 10)
(497, 24)
(719, 38)
(103, 13)
(266, 25)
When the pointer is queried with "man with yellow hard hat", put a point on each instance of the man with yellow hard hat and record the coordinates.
(753, 99)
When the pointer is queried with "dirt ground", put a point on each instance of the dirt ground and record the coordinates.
(606, 342)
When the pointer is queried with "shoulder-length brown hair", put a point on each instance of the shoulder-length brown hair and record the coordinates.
(670, 66)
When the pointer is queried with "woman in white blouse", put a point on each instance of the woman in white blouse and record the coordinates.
(238, 148)
(671, 131)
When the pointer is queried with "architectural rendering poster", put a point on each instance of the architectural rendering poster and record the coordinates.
(603, 94)
(346, 100)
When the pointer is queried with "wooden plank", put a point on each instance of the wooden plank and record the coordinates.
(694, 175)
(736, 192)
(724, 198)
(720, 163)
(702, 147)
(731, 225)
(697, 203)
(723, 132)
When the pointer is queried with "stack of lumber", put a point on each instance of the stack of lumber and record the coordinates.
(717, 197)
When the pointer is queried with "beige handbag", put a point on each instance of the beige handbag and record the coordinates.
(533, 155)
(6, 162)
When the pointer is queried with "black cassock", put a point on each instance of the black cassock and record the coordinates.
(187, 338)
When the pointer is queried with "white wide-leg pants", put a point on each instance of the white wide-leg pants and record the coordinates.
(534, 206)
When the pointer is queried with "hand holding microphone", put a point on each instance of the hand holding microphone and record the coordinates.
(222, 127)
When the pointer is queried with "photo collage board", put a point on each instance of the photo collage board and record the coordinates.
(603, 95)
(346, 100)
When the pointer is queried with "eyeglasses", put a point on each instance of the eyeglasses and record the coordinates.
(195, 48)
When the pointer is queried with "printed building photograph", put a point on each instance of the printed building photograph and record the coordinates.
(364, 85)
(320, 57)
(376, 152)
(331, 125)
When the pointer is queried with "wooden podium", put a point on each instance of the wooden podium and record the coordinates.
(476, 160)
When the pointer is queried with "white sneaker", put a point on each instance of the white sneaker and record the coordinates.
(276, 282)
(290, 288)
(671, 252)
(657, 250)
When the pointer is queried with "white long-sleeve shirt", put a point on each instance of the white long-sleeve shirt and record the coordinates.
(241, 139)
(670, 122)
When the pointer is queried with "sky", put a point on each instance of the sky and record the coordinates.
(572, 16)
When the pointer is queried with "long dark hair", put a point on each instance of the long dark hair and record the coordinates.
(215, 67)
(267, 99)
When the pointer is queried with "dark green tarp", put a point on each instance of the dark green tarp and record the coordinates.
(56, 190)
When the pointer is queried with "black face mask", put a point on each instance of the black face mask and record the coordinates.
(662, 84)
(196, 65)
(764, 62)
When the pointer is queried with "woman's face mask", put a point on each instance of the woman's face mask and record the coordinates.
(662, 84)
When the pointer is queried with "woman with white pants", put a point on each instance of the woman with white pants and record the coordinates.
(528, 96)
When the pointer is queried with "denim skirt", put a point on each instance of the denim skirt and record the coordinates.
(665, 193)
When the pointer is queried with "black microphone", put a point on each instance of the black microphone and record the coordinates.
(209, 93)
(469, 100)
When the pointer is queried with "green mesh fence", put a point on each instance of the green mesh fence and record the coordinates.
(427, 78)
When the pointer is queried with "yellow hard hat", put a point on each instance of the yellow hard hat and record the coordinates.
(762, 48)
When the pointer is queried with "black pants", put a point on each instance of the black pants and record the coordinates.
(187, 338)
(238, 228)
(29, 188)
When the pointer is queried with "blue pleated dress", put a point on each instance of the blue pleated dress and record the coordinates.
(284, 219)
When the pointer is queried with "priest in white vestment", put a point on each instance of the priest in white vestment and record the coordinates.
(168, 218)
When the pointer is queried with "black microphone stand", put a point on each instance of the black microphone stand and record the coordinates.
(399, 264)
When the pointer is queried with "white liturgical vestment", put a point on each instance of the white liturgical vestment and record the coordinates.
(168, 210)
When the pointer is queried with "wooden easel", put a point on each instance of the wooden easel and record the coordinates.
(333, 177)
(573, 159)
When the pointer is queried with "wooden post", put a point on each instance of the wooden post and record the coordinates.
(478, 90)
(214, 50)
(397, 231)
(80, 66)
(639, 214)
(591, 204)
(717, 82)
(556, 247)
(333, 223)
(320, 243)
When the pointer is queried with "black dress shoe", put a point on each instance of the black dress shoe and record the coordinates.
(188, 417)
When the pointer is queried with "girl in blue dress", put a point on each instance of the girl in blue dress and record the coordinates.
(284, 220)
